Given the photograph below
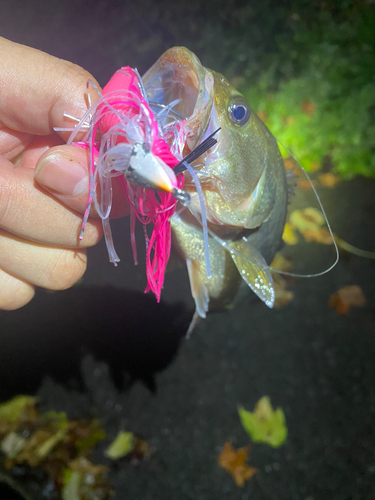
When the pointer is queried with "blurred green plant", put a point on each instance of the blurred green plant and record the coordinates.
(307, 67)
(325, 107)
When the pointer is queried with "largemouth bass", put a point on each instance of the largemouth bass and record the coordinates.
(243, 181)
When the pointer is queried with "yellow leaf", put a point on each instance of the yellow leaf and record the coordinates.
(280, 263)
(308, 218)
(282, 297)
(289, 236)
(44, 449)
(233, 461)
(322, 236)
(71, 486)
(121, 446)
(264, 425)
(12, 410)
(347, 297)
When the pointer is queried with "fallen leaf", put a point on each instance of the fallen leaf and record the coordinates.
(141, 449)
(347, 297)
(72, 482)
(12, 444)
(322, 236)
(58, 418)
(308, 218)
(282, 297)
(328, 180)
(88, 436)
(233, 461)
(43, 450)
(12, 410)
(264, 425)
(121, 446)
(289, 236)
(84, 466)
(56, 445)
(29, 453)
(280, 263)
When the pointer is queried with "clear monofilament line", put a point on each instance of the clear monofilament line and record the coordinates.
(313, 275)
(202, 207)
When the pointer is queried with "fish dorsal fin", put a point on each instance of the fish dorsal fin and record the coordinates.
(253, 270)
(198, 288)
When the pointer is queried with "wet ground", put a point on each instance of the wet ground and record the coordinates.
(181, 396)
(106, 348)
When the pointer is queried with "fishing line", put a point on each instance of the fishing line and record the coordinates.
(202, 207)
(314, 275)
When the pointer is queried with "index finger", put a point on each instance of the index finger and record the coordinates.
(36, 89)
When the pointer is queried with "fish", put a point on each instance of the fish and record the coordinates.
(242, 177)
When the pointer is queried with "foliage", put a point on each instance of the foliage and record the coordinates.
(234, 462)
(264, 425)
(56, 445)
(325, 107)
(121, 446)
(346, 298)
(307, 66)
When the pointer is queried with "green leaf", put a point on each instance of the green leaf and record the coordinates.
(72, 482)
(47, 446)
(264, 425)
(12, 444)
(121, 446)
(58, 418)
(96, 435)
(12, 410)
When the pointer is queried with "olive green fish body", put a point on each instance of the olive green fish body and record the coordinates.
(242, 177)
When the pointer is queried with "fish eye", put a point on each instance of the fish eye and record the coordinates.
(239, 112)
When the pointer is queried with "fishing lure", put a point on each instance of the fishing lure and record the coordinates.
(125, 138)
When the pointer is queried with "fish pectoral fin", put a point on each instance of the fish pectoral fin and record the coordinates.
(198, 288)
(254, 270)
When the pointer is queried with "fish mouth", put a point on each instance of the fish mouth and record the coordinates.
(178, 75)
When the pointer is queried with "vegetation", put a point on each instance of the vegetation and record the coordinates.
(308, 68)
(326, 110)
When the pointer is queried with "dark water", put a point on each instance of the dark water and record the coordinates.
(105, 347)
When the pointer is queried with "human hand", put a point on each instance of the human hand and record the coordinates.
(39, 230)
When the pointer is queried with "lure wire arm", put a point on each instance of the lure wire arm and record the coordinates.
(207, 144)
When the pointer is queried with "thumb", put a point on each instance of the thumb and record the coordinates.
(63, 171)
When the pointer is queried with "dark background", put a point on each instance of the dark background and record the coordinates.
(79, 348)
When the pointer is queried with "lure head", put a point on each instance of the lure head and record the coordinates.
(242, 175)
(149, 171)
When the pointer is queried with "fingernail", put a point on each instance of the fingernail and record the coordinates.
(62, 175)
